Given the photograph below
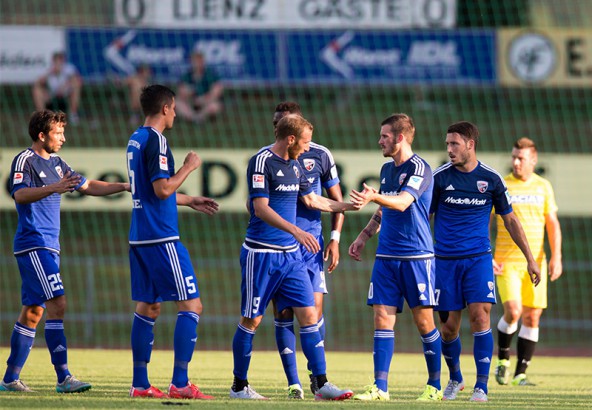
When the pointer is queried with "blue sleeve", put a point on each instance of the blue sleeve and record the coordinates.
(501, 198)
(305, 185)
(329, 175)
(257, 182)
(435, 196)
(21, 178)
(419, 182)
(157, 164)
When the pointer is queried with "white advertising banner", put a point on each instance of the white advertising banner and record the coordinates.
(222, 176)
(25, 51)
(286, 14)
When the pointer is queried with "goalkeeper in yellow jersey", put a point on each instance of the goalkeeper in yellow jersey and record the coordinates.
(534, 204)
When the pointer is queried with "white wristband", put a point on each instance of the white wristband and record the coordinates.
(335, 236)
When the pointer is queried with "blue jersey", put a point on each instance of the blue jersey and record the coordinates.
(320, 170)
(280, 180)
(149, 158)
(406, 235)
(462, 203)
(39, 221)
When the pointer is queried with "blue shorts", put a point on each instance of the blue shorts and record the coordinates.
(394, 280)
(162, 272)
(268, 275)
(315, 266)
(460, 282)
(40, 276)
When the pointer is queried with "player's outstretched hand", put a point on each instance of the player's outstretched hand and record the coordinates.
(360, 199)
(355, 249)
(67, 183)
(534, 273)
(192, 161)
(308, 241)
(204, 204)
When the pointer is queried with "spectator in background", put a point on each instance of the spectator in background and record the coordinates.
(200, 91)
(135, 83)
(59, 88)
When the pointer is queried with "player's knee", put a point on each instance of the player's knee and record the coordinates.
(30, 316)
(285, 314)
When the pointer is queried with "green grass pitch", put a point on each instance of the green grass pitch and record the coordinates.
(561, 382)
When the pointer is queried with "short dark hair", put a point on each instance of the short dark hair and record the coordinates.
(292, 124)
(42, 121)
(284, 108)
(154, 97)
(465, 129)
(401, 123)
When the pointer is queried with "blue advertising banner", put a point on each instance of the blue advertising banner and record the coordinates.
(433, 57)
(292, 56)
(248, 56)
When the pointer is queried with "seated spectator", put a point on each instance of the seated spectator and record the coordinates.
(135, 83)
(199, 95)
(59, 89)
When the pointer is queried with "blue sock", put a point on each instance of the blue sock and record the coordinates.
(21, 343)
(432, 351)
(184, 344)
(314, 349)
(286, 344)
(242, 347)
(321, 326)
(142, 340)
(58, 349)
(451, 352)
(482, 352)
(384, 348)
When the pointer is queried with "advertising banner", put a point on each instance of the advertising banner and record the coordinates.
(548, 58)
(25, 52)
(296, 57)
(435, 57)
(223, 176)
(236, 55)
(286, 14)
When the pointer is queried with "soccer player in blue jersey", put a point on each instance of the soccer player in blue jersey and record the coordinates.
(404, 266)
(160, 265)
(38, 178)
(465, 192)
(319, 168)
(271, 260)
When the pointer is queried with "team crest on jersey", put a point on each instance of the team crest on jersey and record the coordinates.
(490, 285)
(59, 171)
(164, 162)
(18, 178)
(309, 164)
(258, 181)
(482, 186)
(296, 171)
(421, 287)
(402, 178)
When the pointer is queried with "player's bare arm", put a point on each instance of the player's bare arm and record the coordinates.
(331, 252)
(268, 215)
(371, 229)
(320, 203)
(165, 187)
(399, 203)
(514, 227)
(101, 188)
(498, 268)
(202, 204)
(34, 194)
(554, 235)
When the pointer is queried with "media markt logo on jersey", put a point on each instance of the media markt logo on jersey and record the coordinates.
(532, 57)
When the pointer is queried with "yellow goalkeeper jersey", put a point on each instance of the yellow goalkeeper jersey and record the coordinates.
(532, 200)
